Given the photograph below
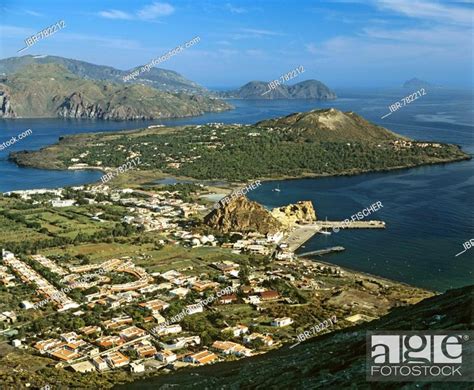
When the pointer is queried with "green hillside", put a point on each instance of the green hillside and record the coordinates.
(50, 90)
(162, 79)
(329, 125)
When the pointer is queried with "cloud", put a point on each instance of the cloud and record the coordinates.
(391, 48)
(32, 13)
(260, 32)
(235, 10)
(422, 9)
(255, 52)
(115, 43)
(115, 14)
(155, 10)
(148, 12)
(245, 33)
(228, 52)
(311, 48)
(436, 37)
(15, 32)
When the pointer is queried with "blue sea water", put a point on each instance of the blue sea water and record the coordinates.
(428, 210)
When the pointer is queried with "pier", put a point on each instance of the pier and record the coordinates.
(349, 225)
(323, 251)
(303, 233)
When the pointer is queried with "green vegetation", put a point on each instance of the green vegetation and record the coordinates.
(26, 227)
(51, 90)
(294, 146)
(162, 79)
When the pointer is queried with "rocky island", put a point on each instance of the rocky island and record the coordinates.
(309, 89)
(415, 83)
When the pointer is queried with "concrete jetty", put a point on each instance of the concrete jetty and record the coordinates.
(302, 233)
(349, 224)
(323, 251)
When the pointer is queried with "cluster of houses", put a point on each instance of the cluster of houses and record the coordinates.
(6, 278)
(51, 265)
(118, 343)
(43, 287)
(255, 243)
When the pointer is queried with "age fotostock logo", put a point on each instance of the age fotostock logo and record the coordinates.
(420, 356)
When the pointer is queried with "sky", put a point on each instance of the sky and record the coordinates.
(343, 43)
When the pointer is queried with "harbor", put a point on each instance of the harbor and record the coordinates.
(297, 237)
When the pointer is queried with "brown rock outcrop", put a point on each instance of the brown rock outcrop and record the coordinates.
(301, 212)
(242, 215)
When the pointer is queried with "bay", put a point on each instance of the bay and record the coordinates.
(428, 210)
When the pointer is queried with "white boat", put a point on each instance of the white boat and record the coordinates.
(276, 189)
(325, 232)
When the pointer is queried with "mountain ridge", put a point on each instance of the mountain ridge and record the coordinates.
(50, 90)
(162, 79)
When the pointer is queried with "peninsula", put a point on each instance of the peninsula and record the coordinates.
(315, 143)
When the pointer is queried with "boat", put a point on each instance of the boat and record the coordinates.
(325, 232)
(277, 189)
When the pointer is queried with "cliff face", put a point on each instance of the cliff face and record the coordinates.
(6, 110)
(300, 212)
(51, 91)
(242, 215)
(75, 106)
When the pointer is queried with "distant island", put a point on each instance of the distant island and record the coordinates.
(51, 90)
(315, 143)
(309, 89)
(417, 83)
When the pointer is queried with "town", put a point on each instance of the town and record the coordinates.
(233, 295)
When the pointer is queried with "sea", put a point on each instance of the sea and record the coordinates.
(427, 210)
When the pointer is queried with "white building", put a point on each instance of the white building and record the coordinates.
(275, 237)
(170, 329)
(16, 343)
(166, 356)
(237, 331)
(179, 292)
(137, 367)
(83, 367)
(62, 202)
(99, 363)
(282, 321)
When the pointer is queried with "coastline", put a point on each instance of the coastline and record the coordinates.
(366, 274)
(235, 185)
